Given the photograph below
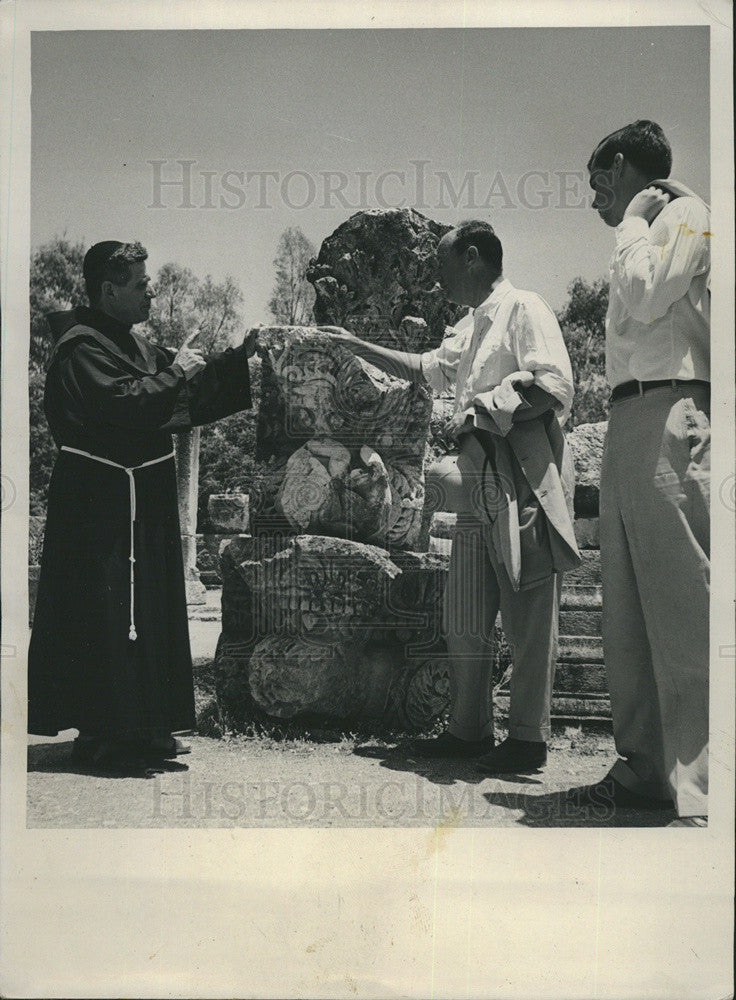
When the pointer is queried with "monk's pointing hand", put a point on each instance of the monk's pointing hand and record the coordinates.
(250, 341)
(189, 361)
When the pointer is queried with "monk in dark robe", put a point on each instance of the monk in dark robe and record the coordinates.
(109, 652)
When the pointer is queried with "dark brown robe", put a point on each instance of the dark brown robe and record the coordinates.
(112, 393)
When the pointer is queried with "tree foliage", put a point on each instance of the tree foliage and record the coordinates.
(292, 298)
(226, 450)
(184, 304)
(56, 283)
(583, 324)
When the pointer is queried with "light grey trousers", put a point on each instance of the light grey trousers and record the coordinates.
(477, 587)
(655, 557)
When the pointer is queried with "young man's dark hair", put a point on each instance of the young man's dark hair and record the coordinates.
(643, 145)
(480, 235)
(109, 261)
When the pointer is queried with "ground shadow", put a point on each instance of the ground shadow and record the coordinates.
(56, 758)
(440, 771)
(563, 809)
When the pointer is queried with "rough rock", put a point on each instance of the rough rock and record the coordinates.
(587, 532)
(209, 547)
(428, 693)
(586, 444)
(243, 615)
(321, 589)
(414, 606)
(243, 627)
(345, 441)
(443, 524)
(377, 275)
(228, 512)
(290, 676)
(372, 617)
(329, 490)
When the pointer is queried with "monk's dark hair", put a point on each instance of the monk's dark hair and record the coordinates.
(110, 261)
(480, 235)
(643, 145)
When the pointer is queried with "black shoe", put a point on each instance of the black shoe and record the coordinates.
(612, 794)
(514, 757)
(689, 821)
(110, 757)
(447, 745)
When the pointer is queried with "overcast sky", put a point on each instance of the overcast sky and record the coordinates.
(297, 127)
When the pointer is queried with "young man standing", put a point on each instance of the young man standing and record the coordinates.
(655, 479)
(511, 487)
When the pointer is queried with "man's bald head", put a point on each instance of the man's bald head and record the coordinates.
(470, 259)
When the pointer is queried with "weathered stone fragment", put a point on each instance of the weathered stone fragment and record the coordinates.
(290, 676)
(320, 588)
(346, 442)
(586, 443)
(587, 532)
(186, 448)
(228, 512)
(428, 693)
(329, 490)
(377, 275)
(371, 616)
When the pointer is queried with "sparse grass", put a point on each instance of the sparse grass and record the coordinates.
(304, 733)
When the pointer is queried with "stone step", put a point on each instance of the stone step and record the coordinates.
(579, 680)
(581, 596)
(588, 573)
(581, 622)
(587, 532)
(575, 708)
(580, 649)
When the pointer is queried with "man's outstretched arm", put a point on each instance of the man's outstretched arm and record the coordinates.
(399, 363)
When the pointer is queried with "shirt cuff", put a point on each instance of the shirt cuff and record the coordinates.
(559, 388)
(432, 371)
(501, 403)
(631, 229)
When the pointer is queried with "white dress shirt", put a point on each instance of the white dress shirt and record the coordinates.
(658, 320)
(511, 332)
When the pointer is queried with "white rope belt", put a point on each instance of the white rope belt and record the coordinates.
(129, 470)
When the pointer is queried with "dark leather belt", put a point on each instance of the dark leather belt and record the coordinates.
(639, 388)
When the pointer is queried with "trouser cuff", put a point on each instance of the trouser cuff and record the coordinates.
(624, 775)
(464, 731)
(533, 734)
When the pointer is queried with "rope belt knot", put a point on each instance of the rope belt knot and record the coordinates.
(129, 470)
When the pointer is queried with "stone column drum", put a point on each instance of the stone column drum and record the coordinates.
(329, 608)
(186, 448)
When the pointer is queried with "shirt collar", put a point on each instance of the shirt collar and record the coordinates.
(500, 289)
